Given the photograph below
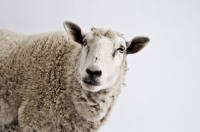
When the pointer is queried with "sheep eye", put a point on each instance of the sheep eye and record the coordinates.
(121, 49)
(84, 42)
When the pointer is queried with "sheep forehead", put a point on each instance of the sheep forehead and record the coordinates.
(101, 33)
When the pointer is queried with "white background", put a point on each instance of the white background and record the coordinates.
(163, 83)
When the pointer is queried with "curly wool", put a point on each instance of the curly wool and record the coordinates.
(39, 89)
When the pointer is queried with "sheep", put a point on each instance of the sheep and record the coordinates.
(65, 81)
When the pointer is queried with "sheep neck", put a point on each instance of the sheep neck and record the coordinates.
(96, 106)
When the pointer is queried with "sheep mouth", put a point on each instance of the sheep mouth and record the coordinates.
(91, 82)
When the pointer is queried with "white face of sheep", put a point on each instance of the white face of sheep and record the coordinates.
(103, 55)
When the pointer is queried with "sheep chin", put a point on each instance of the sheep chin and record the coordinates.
(90, 87)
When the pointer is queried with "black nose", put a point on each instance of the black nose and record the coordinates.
(93, 73)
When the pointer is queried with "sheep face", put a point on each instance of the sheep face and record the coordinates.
(103, 55)
(101, 60)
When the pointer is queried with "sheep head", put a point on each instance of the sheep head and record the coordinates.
(103, 55)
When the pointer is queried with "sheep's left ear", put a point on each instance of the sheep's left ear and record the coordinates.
(74, 31)
(136, 44)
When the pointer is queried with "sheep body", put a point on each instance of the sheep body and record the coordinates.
(39, 88)
(62, 81)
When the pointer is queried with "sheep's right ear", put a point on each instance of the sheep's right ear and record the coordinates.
(74, 31)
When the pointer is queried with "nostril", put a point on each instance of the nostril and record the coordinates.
(89, 71)
(97, 73)
(93, 73)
